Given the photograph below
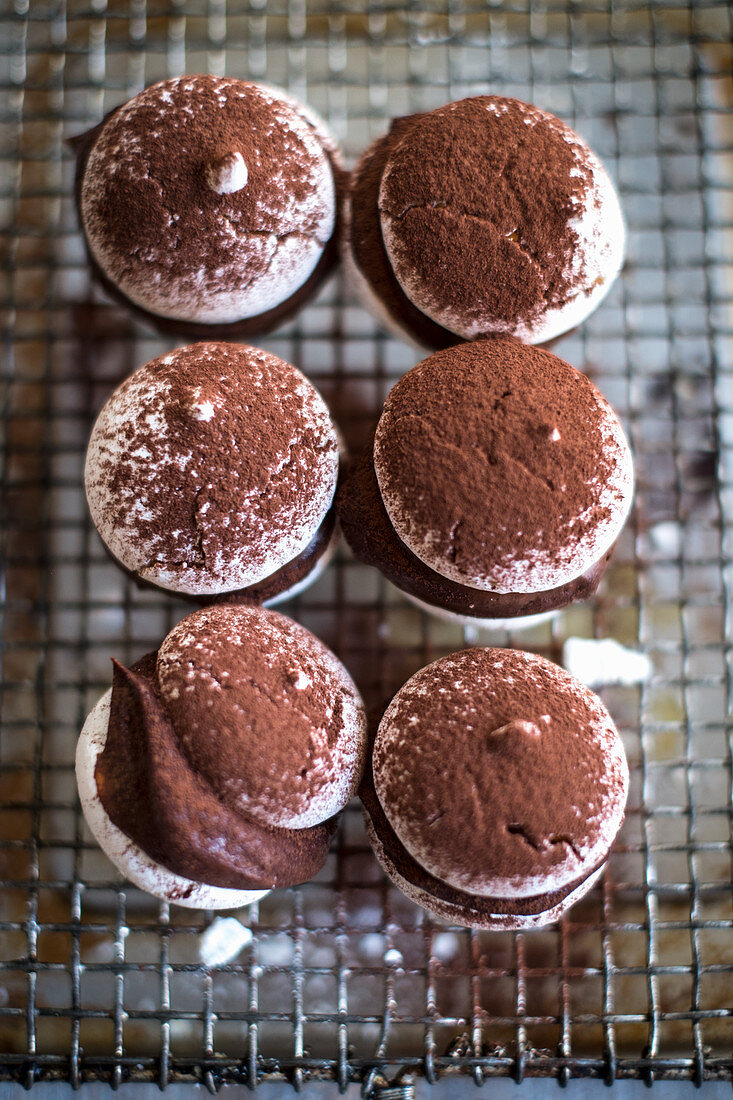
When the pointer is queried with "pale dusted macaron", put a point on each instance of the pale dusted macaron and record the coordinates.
(497, 485)
(216, 767)
(485, 216)
(211, 203)
(497, 787)
(212, 470)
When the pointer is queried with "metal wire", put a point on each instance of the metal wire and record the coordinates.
(344, 978)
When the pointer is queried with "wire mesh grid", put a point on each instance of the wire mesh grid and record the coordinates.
(344, 978)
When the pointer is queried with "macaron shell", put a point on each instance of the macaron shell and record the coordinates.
(360, 286)
(187, 252)
(532, 791)
(503, 468)
(210, 468)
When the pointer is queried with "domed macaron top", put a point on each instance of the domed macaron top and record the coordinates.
(501, 774)
(267, 715)
(495, 218)
(209, 199)
(211, 467)
(502, 468)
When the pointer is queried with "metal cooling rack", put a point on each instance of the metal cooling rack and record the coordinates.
(344, 978)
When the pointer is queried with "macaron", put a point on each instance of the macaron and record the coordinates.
(498, 482)
(497, 786)
(215, 768)
(210, 204)
(485, 216)
(212, 471)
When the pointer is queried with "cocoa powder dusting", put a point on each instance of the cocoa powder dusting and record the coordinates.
(498, 465)
(290, 575)
(479, 197)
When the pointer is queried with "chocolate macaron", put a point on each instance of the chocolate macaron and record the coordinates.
(212, 470)
(210, 204)
(485, 216)
(497, 786)
(215, 768)
(496, 487)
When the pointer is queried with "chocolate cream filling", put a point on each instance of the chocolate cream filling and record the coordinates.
(369, 253)
(368, 531)
(475, 907)
(151, 793)
(262, 323)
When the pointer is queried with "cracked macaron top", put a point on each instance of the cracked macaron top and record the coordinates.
(210, 468)
(531, 792)
(229, 752)
(495, 217)
(267, 714)
(502, 468)
(209, 199)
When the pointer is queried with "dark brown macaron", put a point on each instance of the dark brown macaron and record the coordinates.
(216, 767)
(498, 483)
(497, 787)
(485, 216)
(210, 204)
(212, 470)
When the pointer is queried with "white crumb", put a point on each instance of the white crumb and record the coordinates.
(596, 663)
(222, 941)
(666, 537)
(446, 946)
(371, 945)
